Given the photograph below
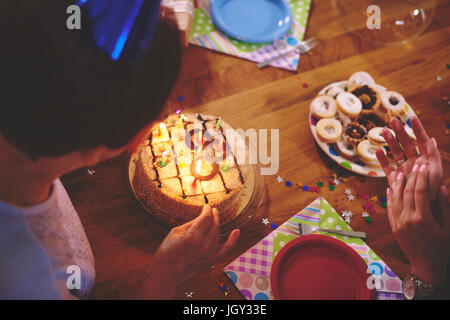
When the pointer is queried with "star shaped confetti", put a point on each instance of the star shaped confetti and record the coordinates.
(91, 172)
(279, 179)
(189, 294)
(331, 187)
(305, 188)
(348, 191)
(368, 219)
(288, 184)
(320, 184)
(336, 182)
(265, 221)
(346, 213)
(273, 225)
(350, 197)
(364, 214)
(348, 220)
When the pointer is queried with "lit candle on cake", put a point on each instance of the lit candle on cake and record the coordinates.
(198, 170)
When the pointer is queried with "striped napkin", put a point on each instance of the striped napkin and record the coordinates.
(206, 35)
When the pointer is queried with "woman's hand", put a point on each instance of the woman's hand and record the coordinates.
(404, 149)
(424, 241)
(186, 252)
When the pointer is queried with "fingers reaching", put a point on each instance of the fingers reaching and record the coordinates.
(408, 194)
(384, 162)
(398, 182)
(421, 135)
(204, 221)
(435, 168)
(407, 143)
(230, 243)
(421, 198)
(393, 144)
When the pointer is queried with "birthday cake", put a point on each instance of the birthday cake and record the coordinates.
(187, 161)
(350, 116)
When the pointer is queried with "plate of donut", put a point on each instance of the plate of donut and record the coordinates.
(347, 118)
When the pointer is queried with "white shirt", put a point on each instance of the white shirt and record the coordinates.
(38, 244)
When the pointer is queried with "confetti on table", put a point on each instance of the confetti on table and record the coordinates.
(225, 290)
(305, 85)
(364, 214)
(383, 199)
(331, 187)
(265, 221)
(91, 172)
(350, 197)
(305, 187)
(368, 219)
(365, 197)
(189, 294)
(348, 191)
(384, 204)
(346, 213)
(273, 225)
(348, 220)
(288, 184)
(367, 206)
(448, 65)
(320, 184)
(180, 98)
(438, 78)
(374, 198)
(336, 182)
(279, 179)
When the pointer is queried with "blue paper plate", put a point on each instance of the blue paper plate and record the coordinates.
(255, 21)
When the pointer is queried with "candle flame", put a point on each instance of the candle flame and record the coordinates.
(199, 167)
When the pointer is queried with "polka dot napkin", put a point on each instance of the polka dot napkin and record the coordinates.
(206, 35)
(250, 272)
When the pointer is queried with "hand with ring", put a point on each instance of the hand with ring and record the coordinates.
(405, 154)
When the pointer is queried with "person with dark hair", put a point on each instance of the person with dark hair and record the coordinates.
(65, 104)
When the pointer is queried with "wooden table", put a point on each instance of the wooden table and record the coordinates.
(122, 240)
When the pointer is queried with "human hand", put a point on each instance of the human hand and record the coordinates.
(424, 241)
(186, 251)
(404, 149)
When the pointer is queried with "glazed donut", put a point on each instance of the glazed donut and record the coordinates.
(323, 107)
(359, 79)
(346, 148)
(329, 130)
(376, 138)
(334, 92)
(349, 106)
(393, 102)
(355, 132)
(366, 151)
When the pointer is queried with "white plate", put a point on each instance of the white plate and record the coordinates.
(330, 150)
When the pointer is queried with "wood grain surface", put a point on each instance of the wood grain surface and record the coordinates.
(124, 242)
